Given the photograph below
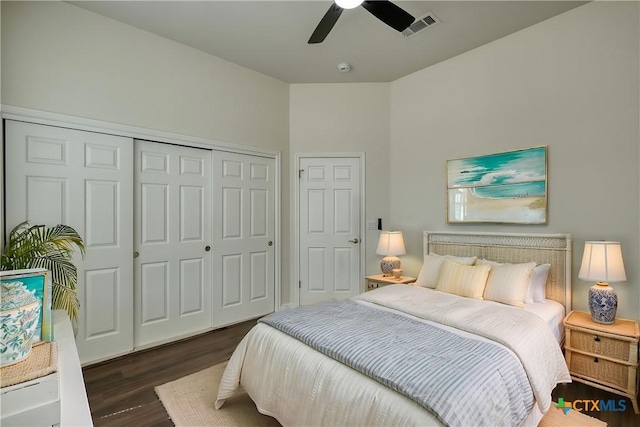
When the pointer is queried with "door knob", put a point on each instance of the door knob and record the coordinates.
(207, 248)
(270, 243)
(354, 241)
(136, 254)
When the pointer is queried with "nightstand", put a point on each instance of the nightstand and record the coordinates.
(378, 281)
(603, 356)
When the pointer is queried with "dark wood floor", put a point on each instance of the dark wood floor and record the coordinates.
(578, 391)
(121, 391)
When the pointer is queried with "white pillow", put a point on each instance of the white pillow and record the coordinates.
(464, 280)
(428, 276)
(538, 283)
(508, 283)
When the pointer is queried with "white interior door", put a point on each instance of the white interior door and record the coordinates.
(329, 230)
(81, 179)
(244, 232)
(172, 241)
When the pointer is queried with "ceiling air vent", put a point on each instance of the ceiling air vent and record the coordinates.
(421, 24)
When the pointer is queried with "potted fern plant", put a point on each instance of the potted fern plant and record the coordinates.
(38, 246)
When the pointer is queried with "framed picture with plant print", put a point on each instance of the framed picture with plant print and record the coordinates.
(36, 281)
(508, 187)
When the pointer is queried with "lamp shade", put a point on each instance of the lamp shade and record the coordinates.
(602, 262)
(348, 4)
(391, 243)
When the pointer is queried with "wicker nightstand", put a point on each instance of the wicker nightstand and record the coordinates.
(378, 281)
(603, 356)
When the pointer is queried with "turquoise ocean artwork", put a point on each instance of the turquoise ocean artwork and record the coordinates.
(508, 187)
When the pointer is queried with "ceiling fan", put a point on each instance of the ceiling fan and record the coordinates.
(384, 10)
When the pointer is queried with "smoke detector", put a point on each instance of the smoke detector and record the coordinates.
(421, 24)
(344, 67)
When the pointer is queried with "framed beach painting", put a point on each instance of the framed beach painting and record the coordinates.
(507, 187)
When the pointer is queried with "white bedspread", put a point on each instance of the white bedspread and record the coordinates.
(300, 386)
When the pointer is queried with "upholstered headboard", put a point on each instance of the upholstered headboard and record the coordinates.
(554, 249)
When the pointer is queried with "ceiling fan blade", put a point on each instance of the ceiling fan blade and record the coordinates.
(392, 15)
(326, 24)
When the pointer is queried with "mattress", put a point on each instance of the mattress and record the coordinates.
(551, 312)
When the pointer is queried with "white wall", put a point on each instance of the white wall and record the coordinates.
(60, 58)
(571, 83)
(347, 118)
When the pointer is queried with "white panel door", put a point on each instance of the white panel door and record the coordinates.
(329, 207)
(172, 241)
(81, 179)
(244, 231)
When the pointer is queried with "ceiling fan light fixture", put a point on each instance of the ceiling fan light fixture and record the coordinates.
(387, 12)
(348, 4)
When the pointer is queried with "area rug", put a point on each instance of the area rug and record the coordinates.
(189, 401)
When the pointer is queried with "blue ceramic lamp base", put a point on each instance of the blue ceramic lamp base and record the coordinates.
(603, 303)
(387, 265)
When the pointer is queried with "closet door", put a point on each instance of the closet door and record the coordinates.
(81, 179)
(244, 231)
(172, 242)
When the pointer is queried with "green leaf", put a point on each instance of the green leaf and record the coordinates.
(38, 246)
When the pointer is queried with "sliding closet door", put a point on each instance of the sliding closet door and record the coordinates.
(172, 241)
(244, 232)
(81, 179)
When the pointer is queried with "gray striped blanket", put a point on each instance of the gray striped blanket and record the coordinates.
(461, 380)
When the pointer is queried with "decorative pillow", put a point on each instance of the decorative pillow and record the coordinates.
(428, 276)
(508, 283)
(538, 283)
(464, 280)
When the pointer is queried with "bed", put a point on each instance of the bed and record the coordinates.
(413, 355)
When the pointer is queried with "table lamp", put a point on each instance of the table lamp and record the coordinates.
(391, 245)
(602, 262)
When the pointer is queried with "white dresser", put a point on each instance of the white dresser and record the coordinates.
(57, 399)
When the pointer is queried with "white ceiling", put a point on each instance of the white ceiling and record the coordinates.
(271, 36)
